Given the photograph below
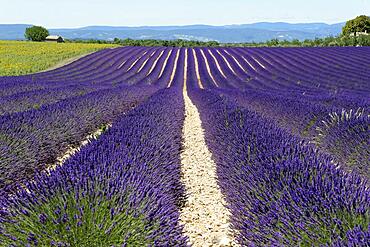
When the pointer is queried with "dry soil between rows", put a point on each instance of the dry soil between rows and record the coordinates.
(204, 216)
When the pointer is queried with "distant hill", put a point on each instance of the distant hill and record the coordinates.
(12, 31)
(258, 32)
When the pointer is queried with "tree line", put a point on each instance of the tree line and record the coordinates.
(356, 32)
(360, 40)
(152, 42)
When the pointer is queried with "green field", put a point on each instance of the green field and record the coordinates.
(25, 57)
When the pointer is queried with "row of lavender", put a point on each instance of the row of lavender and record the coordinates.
(33, 140)
(265, 172)
(343, 69)
(261, 109)
(279, 189)
(300, 89)
(311, 72)
(340, 129)
(41, 119)
(302, 70)
(121, 190)
(32, 91)
(124, 188)
(314, 93)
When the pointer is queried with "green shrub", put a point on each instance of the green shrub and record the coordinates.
(36, 33)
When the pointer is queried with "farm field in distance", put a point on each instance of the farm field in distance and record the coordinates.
(168, 146)
(24, 57)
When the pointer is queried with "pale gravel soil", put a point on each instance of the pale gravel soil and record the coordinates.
(208, 68)
(259, 62)
(165, 63)
(197, 70)
(217, 64)
(137, 60)
(236, 61)
(174, 68)
(123, 63)
(72, 150)
(204, 216)
(145, 62)
(250, 65)
(155, 63)
(226, 61)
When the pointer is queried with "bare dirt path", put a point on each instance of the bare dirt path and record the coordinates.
(73, 150)
(217, 64)
(155, 63)
(204, 216)
(174, 68)
(145, 62)
(226, 61)
(137, 60)
(200, 84)
(208, 68)
(165, 63)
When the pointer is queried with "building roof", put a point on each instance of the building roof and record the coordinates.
(53, 37)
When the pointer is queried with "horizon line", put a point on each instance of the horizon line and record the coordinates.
(183, 25)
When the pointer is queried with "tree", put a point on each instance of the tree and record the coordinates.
(36, 33)
(273, 42)
(296, 42)
(116, 41)
(359, 24)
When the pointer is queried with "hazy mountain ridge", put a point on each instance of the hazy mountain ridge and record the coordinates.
(261, 31)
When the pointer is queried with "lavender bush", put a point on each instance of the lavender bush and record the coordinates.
(31, 140)
(121, 190)
(280, 190)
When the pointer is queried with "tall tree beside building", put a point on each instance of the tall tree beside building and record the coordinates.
(36, 33)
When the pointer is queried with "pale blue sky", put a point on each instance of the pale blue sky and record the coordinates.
(78, 13)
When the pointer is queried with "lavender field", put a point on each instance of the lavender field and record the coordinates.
(154, 146)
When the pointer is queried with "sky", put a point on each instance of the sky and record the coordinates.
(79, 13)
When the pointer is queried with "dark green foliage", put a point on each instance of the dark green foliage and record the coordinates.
(361, 40)
(273, 42)
(36, 33)
(153, 42)
(359, 24)
(82, 221)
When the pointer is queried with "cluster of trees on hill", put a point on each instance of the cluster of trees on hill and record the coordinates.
(361, 24)
(352, 35)
(152, 42)
(359, 40)
(356, 32)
